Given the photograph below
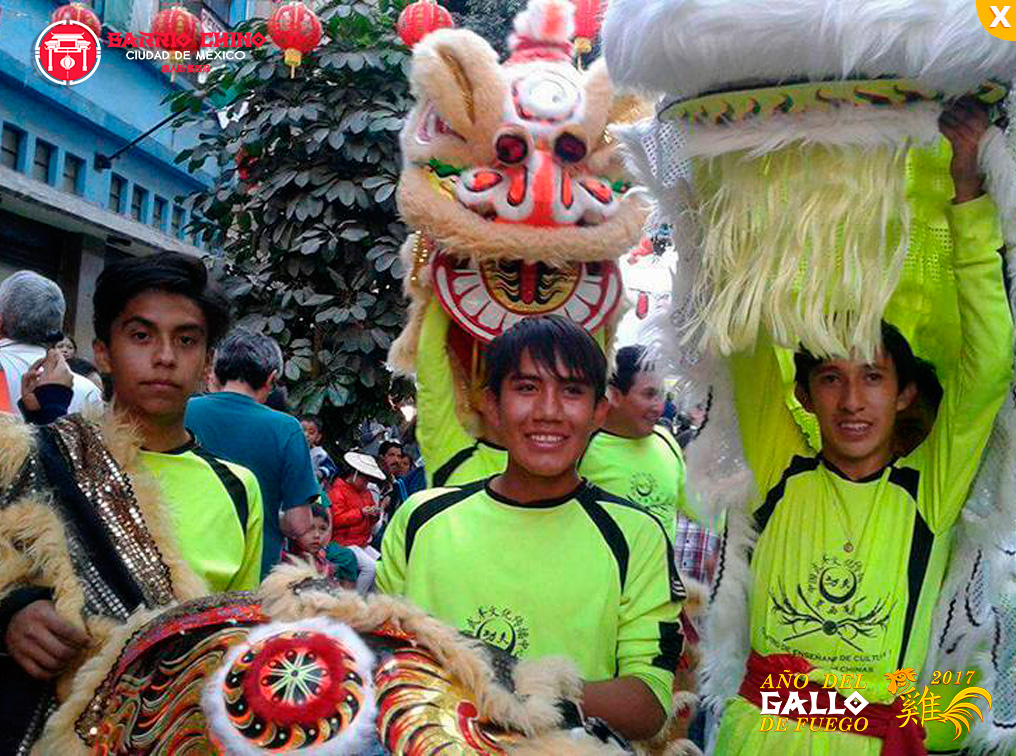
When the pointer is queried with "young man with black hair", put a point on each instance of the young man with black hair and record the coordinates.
(631, 456)
(97, 521)
(848, 547)
(536, 560)
(234, 423)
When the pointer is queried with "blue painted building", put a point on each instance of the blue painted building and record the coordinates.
(59, 213)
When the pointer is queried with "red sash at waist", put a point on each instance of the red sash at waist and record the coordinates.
(882, 718)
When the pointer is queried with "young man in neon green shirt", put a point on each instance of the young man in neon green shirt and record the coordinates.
(537, 561)
(850, 545)
(154, 336)
(631, 456)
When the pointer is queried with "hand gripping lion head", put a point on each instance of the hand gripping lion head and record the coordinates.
(512, 183)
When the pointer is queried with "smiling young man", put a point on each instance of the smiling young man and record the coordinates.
(631, 456)
(850, 545)
(536, 560)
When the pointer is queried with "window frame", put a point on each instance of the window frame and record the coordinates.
(19, 144)
(121, 182)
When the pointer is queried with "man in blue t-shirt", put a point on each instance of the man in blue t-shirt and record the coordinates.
(233, 423)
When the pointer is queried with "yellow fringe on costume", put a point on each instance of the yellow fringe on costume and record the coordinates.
(814, 262)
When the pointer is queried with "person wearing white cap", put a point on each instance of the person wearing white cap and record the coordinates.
(354, 513)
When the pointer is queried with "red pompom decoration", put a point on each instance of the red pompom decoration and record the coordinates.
(419, 19)
(78, 12)
(296, 30)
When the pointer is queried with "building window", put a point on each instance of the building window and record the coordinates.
(73, 174)
(116, 189)
(138, 204)
(10, 146)
(176, 227)
(159, 213)
(43, 160)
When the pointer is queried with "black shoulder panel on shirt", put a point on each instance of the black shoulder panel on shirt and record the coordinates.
(906, 478)
(609, 529)
(237, 490)
(797, 466)
(433, 507)
(444, 472)
(920, 552)
(595, 494)
(671, 442)
(671, 645)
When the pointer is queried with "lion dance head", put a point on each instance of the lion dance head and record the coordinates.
(513, 186)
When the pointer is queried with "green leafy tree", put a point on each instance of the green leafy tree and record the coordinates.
(303, 208)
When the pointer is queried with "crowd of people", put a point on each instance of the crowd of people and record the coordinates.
(571, 482)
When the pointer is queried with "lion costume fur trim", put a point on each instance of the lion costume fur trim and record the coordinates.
(541, 684)
(16, 442)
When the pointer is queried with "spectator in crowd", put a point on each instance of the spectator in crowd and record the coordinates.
(536, 560)
(631, 456)
(355, 512)
(313, 431)
(84, 368)
(311, 544)
(31, 317)
(46, 389)
(68, 348)
(390, 457)
(111, 522)
(316, 544)
(411, 479)
(234, 424)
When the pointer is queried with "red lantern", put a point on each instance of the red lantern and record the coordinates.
(588, 17)
(295, 29)
(178, 30)
(78, 12)
(419, 19)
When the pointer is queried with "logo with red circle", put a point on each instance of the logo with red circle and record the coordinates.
(67, 52)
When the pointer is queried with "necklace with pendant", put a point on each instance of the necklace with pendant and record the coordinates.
(840, 507)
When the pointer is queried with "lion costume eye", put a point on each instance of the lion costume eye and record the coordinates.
(511, 149)
(569, 148)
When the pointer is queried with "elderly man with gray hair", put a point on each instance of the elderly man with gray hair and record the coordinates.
(233, 423)
(31, 319)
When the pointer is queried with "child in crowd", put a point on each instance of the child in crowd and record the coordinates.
(331, 560)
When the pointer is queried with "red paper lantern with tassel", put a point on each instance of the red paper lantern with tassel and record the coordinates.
(177, 30)
(296, 30)
(419, 19)
(588, 18)
(78, 12)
